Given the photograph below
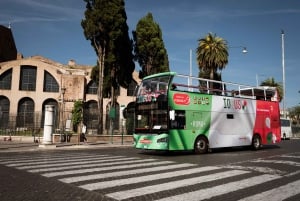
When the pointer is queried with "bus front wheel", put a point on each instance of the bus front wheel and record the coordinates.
(256, 142)
(201, 145)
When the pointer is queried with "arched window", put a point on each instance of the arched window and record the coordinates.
(92, 87)
(90, 114)
(50, 84)
(5, 79)
(4, 112)
(131, 88)
(25, 117)
(28, 78)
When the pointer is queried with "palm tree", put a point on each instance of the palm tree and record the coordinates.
(212, 54)
(271, 83)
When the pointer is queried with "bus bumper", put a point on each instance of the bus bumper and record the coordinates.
(154, 142)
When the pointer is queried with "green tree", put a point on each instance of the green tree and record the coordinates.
(212, 54)
(149, 47)
(105, 26)
(272, 83)
(294, 114)
(77, 113)
(206, 75)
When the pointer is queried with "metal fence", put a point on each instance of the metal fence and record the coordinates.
(33, 124)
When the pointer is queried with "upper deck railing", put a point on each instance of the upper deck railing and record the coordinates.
(206, 86)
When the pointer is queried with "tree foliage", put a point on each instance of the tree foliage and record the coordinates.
(105, 26)
(77, 112)
(294, 114)
(212, 54)
(149, 47)
(272, 83)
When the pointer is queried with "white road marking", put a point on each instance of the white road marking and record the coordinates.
(24, 160)
(122, 173)
(277, 194)
(70, 172)
(209, 193)
(290, 156)
(174, 184)
(101, 164)
(120, 182)
(70, 162)
(292, 163)
(265, 170)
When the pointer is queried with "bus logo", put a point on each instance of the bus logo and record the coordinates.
(145, 141)
(181, 99)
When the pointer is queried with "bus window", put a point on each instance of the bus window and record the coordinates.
(179, 121)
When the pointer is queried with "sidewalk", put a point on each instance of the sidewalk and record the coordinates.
(27, 143)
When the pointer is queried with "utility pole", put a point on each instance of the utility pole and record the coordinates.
(283, 74)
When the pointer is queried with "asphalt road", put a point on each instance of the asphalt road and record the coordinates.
(123, 173)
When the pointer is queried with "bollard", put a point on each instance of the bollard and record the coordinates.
(48, 124)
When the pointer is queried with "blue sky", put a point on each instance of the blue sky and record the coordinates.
(51, 28)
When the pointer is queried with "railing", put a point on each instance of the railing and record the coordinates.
(206, 86)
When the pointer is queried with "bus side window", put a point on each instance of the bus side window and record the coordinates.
(179, 121)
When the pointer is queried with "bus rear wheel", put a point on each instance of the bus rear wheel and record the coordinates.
(201, 145)
(256, 142)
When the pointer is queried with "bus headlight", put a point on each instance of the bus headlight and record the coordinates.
(162, 140)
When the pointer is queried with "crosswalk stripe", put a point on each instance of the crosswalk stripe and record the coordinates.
(26, 159)
(122, 173)
(48, 162)
(209, 193)
(265, 170)
(70, 172)
(292, 163)
(70, 162)
(282, 192)
(120, 195)
(289, 156)
(120, 182)
(90, 165)
(125, 172)
(114, 168)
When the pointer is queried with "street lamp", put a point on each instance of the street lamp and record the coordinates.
(63, 90)
(283, 74)
(244, 49)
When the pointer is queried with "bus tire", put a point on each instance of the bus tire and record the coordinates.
(201, 145)
(284, 136)
(256, 142)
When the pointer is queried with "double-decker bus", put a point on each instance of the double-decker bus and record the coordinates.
(178, 112)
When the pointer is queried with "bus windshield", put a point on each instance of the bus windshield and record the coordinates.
(152, 105)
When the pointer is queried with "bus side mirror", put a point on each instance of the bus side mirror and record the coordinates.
(172, 115)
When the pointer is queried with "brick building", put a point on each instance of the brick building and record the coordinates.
(28, 84)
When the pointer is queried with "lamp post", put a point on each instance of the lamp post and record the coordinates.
(283, 74)
(191, 71)
(63, 90)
